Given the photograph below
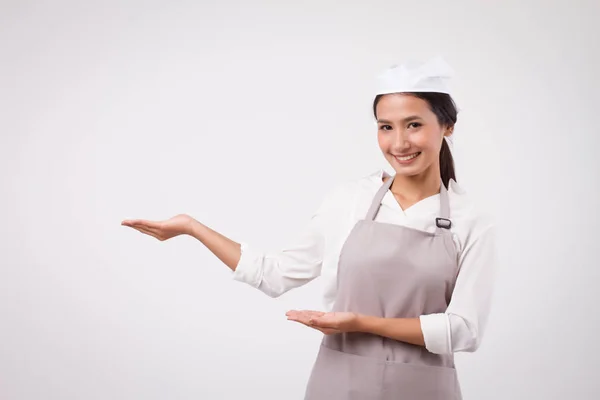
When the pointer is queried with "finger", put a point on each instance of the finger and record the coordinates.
(297, 314)
(309, 316)
(131, 222)
(300, 322)
(312, 314)
(317, 322)
(305, 312)
(304, 316)
(292, 314)
(298, 318)
(326, 331)
(141, 222)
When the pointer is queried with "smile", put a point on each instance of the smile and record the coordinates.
(407, 158)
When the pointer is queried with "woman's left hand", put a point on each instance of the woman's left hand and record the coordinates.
(326, 322)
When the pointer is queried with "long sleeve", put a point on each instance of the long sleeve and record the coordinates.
(275, 273)
(462, 326)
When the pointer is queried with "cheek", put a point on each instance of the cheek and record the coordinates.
(429, 141)
(382, 140)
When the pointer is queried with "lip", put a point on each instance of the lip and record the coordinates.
(405, 155)
(404, 162)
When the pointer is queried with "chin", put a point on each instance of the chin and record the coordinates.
(406, 172)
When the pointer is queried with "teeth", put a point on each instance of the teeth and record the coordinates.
(408, 157)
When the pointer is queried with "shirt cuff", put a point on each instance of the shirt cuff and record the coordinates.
(248, 269)
(436, 332)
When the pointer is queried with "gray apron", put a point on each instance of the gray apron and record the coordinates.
(389, 271)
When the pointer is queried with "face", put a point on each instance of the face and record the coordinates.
(409, 134)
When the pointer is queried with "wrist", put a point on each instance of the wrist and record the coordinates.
(364, 323)
(193, 228)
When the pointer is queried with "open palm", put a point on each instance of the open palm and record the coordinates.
(162, 230)
(326, 322)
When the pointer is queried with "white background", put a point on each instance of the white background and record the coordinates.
(243, 114)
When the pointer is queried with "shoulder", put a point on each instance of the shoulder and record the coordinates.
(363, 183)
(366, 184)
(470, 218)
(345, 194)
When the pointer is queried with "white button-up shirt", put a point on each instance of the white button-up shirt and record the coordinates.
(317, 249)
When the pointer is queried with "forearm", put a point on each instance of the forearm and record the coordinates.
(403, 329)
(226, 250)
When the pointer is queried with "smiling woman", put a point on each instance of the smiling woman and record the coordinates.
(407, 261)
(433, 115)
(411, 127)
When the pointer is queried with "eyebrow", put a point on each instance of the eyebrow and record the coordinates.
(404, 120)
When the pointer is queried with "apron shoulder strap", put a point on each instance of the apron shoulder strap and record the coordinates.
(443, 222)
(378, 198)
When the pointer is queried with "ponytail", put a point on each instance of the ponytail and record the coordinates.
(446, 164)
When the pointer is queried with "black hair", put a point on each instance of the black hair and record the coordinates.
(444, 108)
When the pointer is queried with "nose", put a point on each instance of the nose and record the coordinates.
(400, 140)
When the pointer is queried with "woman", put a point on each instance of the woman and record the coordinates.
(407, 260)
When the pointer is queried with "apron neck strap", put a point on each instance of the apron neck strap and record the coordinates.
(378, 198)
(443, 223)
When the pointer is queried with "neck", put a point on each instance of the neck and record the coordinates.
(417, 187)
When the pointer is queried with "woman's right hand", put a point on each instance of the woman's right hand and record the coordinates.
(162, 230)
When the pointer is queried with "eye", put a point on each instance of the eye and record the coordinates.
(414, 125)
(385, 127)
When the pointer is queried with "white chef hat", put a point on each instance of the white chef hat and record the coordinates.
(430, 76)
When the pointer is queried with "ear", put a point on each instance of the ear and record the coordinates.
(448, 131)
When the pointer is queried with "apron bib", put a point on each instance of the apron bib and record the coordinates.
(389, 271)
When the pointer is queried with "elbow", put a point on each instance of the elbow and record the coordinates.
(255, 272)
(275, 281)
(274, 275)
(273, 293)
(262, 286)
(471, 346)
(466, 335)
(273, 284)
